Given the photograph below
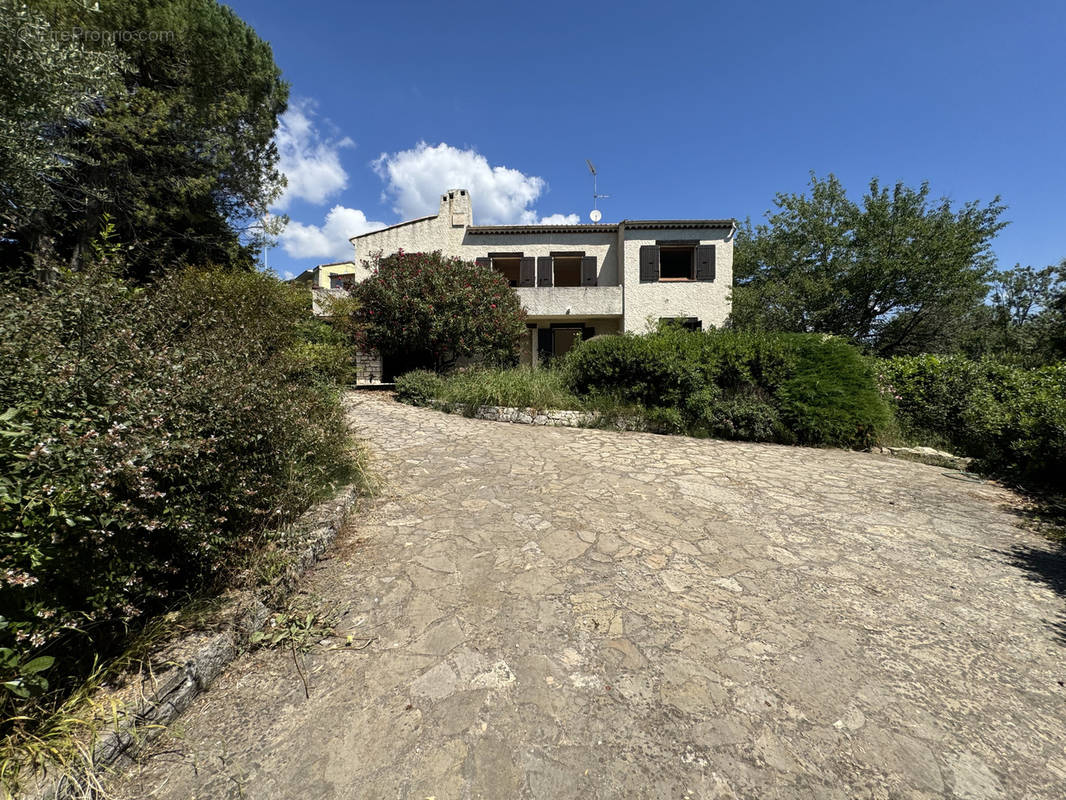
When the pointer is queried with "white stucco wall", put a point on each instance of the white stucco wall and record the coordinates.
(604, 246)
(709, 301)
(619, 292)
(589, 301)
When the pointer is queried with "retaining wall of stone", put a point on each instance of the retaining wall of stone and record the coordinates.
(199, 658)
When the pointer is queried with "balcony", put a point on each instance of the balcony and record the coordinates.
(581, 301)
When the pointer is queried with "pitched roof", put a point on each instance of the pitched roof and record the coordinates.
(657, 224)
(390, 227)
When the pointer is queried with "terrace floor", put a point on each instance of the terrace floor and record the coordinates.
(569, 613)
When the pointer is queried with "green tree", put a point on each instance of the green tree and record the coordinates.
(892, 273)
(1023, 320)
(427, 311)
(48, 86)
(182, 155)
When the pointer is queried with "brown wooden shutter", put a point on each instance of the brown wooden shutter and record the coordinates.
(483, 262)
(705, 262)
(527, 271)
(544, 271)
(649, 263)
(588, 271)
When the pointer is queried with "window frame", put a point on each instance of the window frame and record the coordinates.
(341, 278)
(492, 257)
(678, 248)
(569, 255)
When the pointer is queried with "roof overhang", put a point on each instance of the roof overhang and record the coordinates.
(480, 230)
(641, 224)
(629, 224)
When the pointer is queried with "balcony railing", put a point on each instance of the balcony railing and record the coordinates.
(597, 301)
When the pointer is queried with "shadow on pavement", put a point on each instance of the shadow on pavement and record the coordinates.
(1046, 562)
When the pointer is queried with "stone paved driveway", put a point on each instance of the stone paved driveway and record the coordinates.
(568, 613)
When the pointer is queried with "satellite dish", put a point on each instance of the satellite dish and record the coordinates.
(595, 215)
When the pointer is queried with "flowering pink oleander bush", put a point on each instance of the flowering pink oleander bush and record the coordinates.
(426, 311)
(147, 435)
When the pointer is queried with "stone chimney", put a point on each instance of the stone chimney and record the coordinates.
(455, 207)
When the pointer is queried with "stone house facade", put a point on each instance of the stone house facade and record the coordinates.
(575, 281)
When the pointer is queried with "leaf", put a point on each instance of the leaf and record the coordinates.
(38, 664)
(16, 688)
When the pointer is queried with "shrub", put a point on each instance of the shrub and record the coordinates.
(749, 416)
(419, 387)
(428, 311)
(765, 387)
(322, 352)
(655, 370)
(786, 388)
(1012, 420)
(520, 387)
(832, 397)
(146, 437)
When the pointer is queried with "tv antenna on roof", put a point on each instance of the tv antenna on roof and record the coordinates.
(595, 214)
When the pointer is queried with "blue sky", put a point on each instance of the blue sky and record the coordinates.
(687, 109)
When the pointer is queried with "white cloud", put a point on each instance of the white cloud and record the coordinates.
(560, 219)
(311, 163)
(414, 180)
(329, 240)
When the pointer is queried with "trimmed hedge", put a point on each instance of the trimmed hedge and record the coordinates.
(787, 388)
(1012, 420)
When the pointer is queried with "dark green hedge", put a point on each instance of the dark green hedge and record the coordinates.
(788, 388)
(1012, 420)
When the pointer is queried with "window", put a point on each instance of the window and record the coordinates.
(676, 263)
(558, 339)
(509, 267)
(517, 270)
(341, 281)
(567, 270)
(688, 323)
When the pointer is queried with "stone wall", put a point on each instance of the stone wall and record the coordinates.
(367, 366)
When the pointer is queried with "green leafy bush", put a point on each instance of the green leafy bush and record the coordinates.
(419, 387)
(323, 352)
(520, 387)
(766, 387)
(428, 311)
(832, 396)
(146, 437)
(787, 388)
(1012, 420)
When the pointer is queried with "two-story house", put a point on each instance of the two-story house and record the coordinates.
(575, 281)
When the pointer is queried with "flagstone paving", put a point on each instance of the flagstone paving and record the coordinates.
(569, 613)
